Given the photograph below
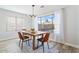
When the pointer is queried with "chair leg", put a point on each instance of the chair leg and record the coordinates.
(48, 45)
(19, 42)
(43, 46)
(22, 45)
(28, 43)
(37, 44)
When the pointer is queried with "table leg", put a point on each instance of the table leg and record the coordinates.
(33, 43)
(33, 47)
(42, 35)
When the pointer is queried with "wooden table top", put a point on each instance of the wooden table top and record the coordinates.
(34, 33)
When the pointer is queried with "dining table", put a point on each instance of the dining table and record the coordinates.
(34, 34)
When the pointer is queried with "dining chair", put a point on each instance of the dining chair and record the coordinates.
(26, 35)
(22, 39)
(43, 39)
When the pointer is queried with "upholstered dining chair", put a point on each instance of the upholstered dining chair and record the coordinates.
(43, 39)
(22, 39)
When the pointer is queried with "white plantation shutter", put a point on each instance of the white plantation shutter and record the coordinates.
(20, 23)
(11, 24)
(15, 23)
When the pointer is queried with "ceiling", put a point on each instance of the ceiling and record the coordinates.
(27, 9)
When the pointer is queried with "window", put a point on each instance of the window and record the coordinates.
(46, 19)
(20, 23)
(11, 24)
(15, 23)
(45, 22)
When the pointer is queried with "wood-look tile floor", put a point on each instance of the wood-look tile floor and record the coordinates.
(11, 46)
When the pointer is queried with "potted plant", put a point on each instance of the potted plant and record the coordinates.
(32, 30)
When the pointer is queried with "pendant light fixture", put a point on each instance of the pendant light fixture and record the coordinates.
(32, 16)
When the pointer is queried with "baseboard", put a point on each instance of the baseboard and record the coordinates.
(76, 46)
(65, 43)
(7, 38)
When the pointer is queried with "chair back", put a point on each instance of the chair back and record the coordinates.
(46, 37)
(20, 36)
(24, 33)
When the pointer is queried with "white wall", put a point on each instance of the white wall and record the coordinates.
(71, 28)
(4, 14)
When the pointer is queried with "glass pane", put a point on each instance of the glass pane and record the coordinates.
(46, 22)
